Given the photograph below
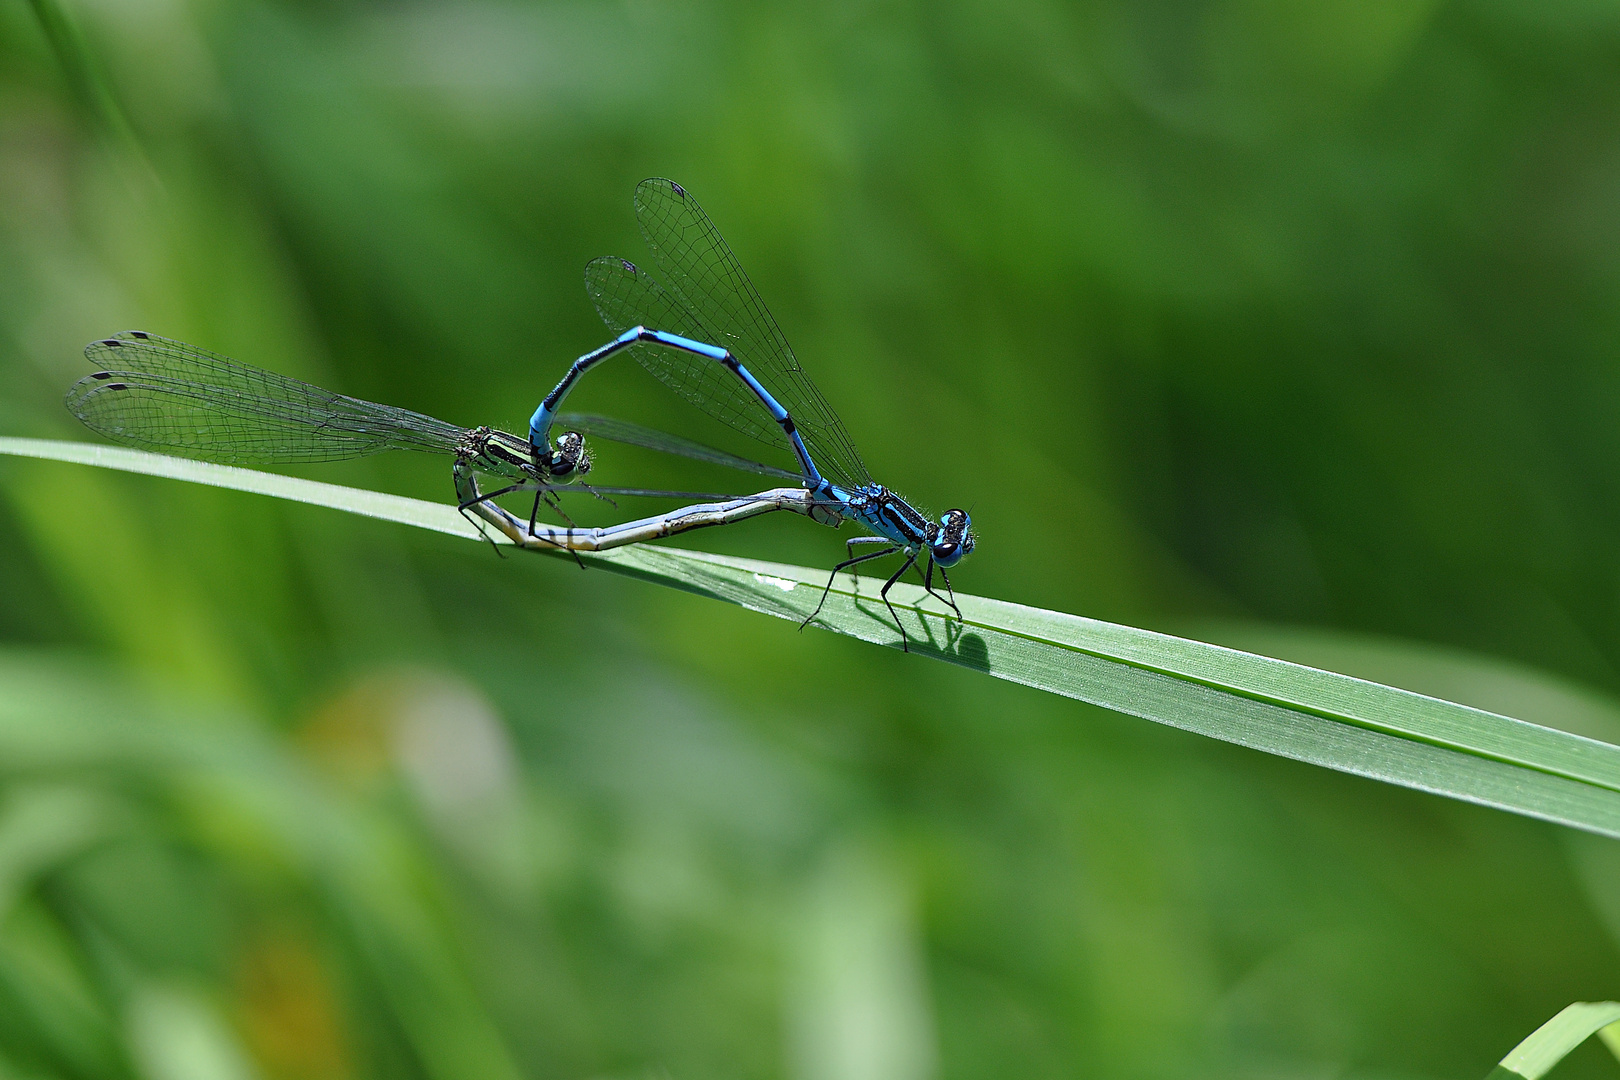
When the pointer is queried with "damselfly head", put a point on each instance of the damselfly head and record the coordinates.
(570, 460)
(952, 540)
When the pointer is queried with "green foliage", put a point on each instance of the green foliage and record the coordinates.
(1289, 327)
(1552, 1041)
(1314, 716)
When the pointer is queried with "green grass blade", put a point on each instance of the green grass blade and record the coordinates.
(1299, 712)
(1551, 1042)
(424, 515)
(86, 80)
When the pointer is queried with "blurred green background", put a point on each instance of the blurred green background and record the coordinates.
(1291, 326)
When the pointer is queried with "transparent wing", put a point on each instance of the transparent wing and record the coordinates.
(643, 493)
(716, 295)
(157, 394)
(627, 296)
(623, 431)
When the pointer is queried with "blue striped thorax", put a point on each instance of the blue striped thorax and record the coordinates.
(893, 518)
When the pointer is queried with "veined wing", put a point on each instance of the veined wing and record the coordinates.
(715, 292)
(624, 431)
(641, 493)
(627, 296)
(158, 394)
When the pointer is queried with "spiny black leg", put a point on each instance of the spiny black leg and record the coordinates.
(883, 593)
(534, 512)
(946, 578)
(551, 501)
(487, 496)
(855, 541)
(462, 508)
(540, 493)
(846, 564)
(479, 525)
(928, 587)
(586, 487)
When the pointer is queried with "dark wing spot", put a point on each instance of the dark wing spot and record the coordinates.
(628, 265)
(116, 386)
(678, 189)
(142, 334)
(112, 343)
(102, 375)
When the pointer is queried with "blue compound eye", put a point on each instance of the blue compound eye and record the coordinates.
(952, 541)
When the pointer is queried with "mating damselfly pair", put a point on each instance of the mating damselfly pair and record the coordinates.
(704, 332)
